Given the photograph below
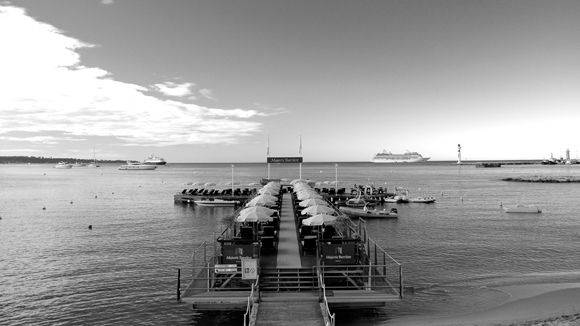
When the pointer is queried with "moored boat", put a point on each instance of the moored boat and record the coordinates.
(519, 208)
(368, 213)
(137, 166)
(425, 200)
(63, 165)
(216, 203)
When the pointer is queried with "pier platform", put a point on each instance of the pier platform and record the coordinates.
(342, 269)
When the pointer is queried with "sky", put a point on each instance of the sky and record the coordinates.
(210, 81)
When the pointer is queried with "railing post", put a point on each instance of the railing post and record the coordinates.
(178, 284)
(370, 286)
(376, 262)
(207, 276)
(401, 281)
(204, 252)
(384, 265)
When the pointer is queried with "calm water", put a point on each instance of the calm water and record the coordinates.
(54, 271)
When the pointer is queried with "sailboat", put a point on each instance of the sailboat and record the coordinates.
(94, 164)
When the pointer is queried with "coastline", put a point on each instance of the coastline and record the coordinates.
(534, 304)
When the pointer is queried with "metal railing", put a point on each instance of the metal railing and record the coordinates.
(252, 300)
(331, 317)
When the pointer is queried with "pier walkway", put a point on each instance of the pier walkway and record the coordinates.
(288, 251)
(275, 309)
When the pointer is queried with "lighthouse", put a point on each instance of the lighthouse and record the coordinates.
(568, 161)
(458, 154)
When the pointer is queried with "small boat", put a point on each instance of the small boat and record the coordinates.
(368, 213)
(79, 164)
(63, 165)
(399, 199)
(521, 209)
(357, 202)
(216, 203)
(137, 166)
(425, 200)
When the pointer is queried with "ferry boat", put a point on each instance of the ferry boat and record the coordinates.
(154, 160)
(137, 166)
(63, 165)
(408, 157)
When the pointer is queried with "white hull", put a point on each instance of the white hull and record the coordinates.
(137, 167)
(66, 166)
(411, 160)
(216, 203)
(522, 209)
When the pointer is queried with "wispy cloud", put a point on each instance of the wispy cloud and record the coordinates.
(55, 93)
(207, 93)
(107, 2)
(175, 89)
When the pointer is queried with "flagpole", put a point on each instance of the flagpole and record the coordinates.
(300, 153)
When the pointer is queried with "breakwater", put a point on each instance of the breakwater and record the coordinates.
(544, 179)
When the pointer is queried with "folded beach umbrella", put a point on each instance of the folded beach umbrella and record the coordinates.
(319, 219)
(318, 209)
(312, 202)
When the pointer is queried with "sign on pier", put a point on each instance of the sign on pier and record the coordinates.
(294, 159)
(225, 268)
(249, 269)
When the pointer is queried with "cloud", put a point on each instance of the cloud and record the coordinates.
(207, 93)
(174, 89)
(107, 2)
(54, 93)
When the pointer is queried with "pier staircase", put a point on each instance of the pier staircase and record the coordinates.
(288, 280)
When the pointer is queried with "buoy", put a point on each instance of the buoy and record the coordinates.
(95, 196)
(43, 208)
(71, 202)
(90, 227)
(112, 193)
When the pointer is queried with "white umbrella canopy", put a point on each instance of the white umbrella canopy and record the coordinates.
(308, 195)
(318, 209)
(301, 186)
(254, 217)
(268, 191)
(312, 202)
(258, 209)
(295, 181)
(261, 201)
(319, 219)
(209, 184)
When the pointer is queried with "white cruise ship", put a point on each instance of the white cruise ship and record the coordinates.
(407, 157)
(154, 160)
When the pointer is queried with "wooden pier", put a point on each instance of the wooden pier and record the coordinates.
(300, 270)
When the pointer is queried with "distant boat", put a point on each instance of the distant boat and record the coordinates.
(521, 209)
(407, 157)
(137, 166)
(94, 164)
(63, 165)
(369, 213)
(216, 203)
(154, 160)
(425, 200)
(79, 164)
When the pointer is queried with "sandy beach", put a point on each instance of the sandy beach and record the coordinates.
(536, 304)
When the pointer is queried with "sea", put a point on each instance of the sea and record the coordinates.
(456, 253)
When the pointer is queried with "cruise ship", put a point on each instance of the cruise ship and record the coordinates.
(407, 157)
(154, 160)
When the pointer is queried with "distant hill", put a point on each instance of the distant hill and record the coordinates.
(41, 159)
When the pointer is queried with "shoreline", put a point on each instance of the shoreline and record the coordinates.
(544, 179)
(534, 304)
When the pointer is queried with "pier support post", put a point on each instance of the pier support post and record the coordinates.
(179, 285)
(401, 281)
